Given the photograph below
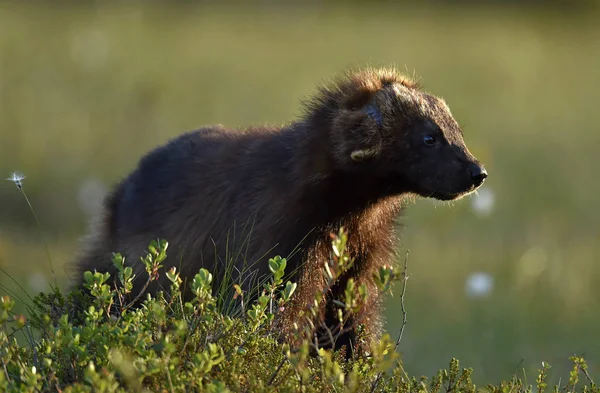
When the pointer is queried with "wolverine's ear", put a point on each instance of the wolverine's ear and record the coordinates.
(373, 111)
(359, 125)
(365, 101)
(371, 140)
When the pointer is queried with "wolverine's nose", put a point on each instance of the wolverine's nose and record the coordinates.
(478, 174)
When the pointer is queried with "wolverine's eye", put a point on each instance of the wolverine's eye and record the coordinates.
(429, 140)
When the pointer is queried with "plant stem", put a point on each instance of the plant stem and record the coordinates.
(41, 234)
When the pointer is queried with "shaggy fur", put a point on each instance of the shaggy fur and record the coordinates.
(365, 142)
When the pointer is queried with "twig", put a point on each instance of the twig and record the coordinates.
(277, 371)
(330, 339)
(579, 370)
(169, 376)
(404, 319)
(29, 336)
(139, 295)
(587, 376)
(6, 371)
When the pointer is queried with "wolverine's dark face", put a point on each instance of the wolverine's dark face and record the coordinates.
(436, 161)
(410, 140)
(441, 166)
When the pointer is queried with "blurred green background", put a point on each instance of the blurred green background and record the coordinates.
(501, 280)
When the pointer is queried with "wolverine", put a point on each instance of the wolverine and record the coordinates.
(366, 142)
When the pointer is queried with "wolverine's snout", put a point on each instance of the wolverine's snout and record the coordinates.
(478, 174)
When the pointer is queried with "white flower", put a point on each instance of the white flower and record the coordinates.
(479, 284)
(16, 178)
(483, 202)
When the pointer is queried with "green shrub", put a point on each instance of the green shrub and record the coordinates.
(101, 343)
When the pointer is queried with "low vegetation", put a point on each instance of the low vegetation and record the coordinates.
(99, 342)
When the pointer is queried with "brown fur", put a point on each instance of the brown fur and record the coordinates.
(350, 161)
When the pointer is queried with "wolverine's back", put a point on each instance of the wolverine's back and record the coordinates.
(205, 191)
